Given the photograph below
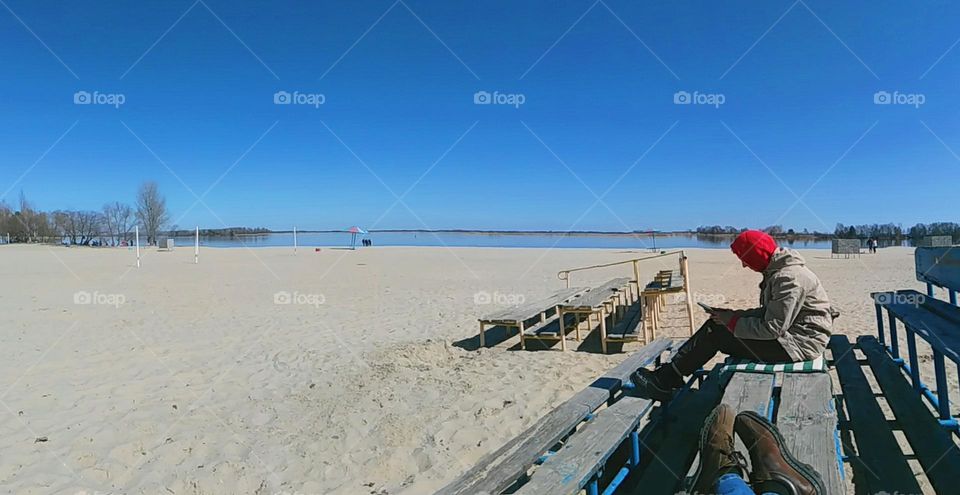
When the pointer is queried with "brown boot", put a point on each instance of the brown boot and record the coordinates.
(774, 468)
(717, 451)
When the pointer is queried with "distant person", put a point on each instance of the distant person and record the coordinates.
(873, 245)
(793, 322)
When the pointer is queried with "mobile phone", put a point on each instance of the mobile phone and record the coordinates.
(708, 309)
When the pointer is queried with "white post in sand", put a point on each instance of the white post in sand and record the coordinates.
(196, 248)
(137, 229)
(294, 240)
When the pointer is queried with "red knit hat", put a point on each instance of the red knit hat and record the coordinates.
(754, 248)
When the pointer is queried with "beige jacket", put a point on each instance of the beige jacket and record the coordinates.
(794, 308)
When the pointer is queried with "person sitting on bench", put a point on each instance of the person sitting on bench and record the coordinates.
(792, 324)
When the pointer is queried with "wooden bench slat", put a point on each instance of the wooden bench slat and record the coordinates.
(631, 325)
(879, 464)
(549, 326)
(500, 469)
(934, 447)
(596, 296)
(749, 392)
(567, 472)
(532, 309)
(808, 422)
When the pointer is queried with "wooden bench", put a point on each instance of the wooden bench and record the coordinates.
(805, 416)
(502, 468)
(880, 460)
(635, 447)
(519, 317)
(605, 302)
(630, 328)
(653, 294)
(935, 321)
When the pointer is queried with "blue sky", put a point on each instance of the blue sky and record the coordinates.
(598, 119)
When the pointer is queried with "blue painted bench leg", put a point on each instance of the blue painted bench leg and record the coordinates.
(593, 487)
(914, 364)
(943, 396)
(894, 341)
(880, 336)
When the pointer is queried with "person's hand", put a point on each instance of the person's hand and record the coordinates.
(723, 316)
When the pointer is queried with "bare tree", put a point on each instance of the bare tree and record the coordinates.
(151, 210)
(118, 219)
(28, 224)
(80, 227)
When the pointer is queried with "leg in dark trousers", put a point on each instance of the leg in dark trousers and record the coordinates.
(712, 337)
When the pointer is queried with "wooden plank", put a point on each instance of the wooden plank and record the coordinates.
(550, 328)
(938, 265)
(631, 324)
(879, 464)
(595, 298)
(500, 469)
(933, 446)
(808, 422)
(532, 309)
(567, 472)
(749, 392)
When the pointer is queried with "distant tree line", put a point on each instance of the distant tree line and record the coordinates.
(896, 232)
(773, 230)
(112, 225)
(886, 231)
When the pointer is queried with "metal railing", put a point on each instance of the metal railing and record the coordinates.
(684, 271)
(565, 274)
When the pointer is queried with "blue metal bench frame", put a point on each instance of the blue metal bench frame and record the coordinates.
(935, 266)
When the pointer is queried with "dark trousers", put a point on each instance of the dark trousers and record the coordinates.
(713, 337)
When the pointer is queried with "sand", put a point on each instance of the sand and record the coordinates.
(183, 378)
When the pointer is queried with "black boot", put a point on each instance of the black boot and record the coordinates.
(656, 385)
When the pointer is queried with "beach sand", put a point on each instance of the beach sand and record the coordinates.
(183, 378)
